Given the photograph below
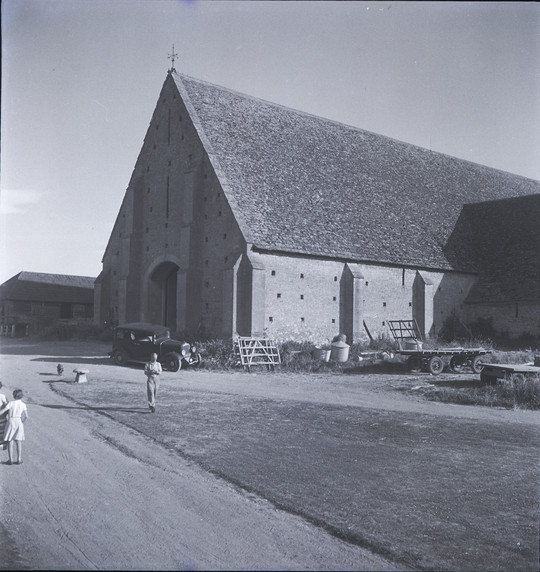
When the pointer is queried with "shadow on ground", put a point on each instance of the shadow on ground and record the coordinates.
(459, 383)
(33, 346)
(85, 408)
(86, 360)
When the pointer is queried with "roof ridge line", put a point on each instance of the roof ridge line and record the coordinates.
(348, 125)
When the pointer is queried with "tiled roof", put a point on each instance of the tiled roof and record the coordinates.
(300, 183)
(506, 237)
(41, 287)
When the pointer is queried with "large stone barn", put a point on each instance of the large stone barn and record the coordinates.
(244, 217)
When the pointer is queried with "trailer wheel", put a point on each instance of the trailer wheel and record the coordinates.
(456, 364)
(477, 364)
(414, 364)
(435, 365)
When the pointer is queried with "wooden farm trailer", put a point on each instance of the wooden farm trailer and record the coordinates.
(409, 340)
(509, 373)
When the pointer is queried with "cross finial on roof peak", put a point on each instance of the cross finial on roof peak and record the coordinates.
(172, 56)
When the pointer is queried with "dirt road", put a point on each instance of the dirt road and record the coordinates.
(93, 494)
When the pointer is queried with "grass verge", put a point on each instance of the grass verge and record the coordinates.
(522, 394)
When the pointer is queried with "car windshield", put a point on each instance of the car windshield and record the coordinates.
(141, 335)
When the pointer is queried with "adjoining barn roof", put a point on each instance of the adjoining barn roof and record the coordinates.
(304, 184)
(42, 287)
(506, 236)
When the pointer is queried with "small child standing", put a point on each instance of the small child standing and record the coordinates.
(17, 415)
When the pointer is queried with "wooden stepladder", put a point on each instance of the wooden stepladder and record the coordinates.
(257, 351)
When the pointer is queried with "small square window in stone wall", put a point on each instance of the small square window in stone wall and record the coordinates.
(383, 323)
(218, 195)
(301, 275)
(367, 283)
(224, 236)
(155, 146)
(302, 319)
(410, 304)
(273, 272)
(335, 278)
(334, 299)
(206, 306)
(270, 319)
(333, 320)
(279, 295)
(384, 304)
(219, 213)
(226, 259)
(301, 296)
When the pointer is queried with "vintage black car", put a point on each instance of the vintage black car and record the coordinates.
(136, 342)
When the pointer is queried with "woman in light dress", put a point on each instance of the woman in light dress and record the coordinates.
(3, 418)
(14, 432)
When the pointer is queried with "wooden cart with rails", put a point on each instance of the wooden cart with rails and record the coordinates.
(409, 340)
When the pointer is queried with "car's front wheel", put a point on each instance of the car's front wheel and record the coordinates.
(172, 361)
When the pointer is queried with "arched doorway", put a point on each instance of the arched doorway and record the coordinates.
(162, 295)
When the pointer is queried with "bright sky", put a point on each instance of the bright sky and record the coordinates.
(81, 78)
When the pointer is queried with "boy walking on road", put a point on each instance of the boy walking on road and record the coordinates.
(152, 371)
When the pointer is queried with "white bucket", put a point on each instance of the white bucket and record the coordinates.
(320, 354)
